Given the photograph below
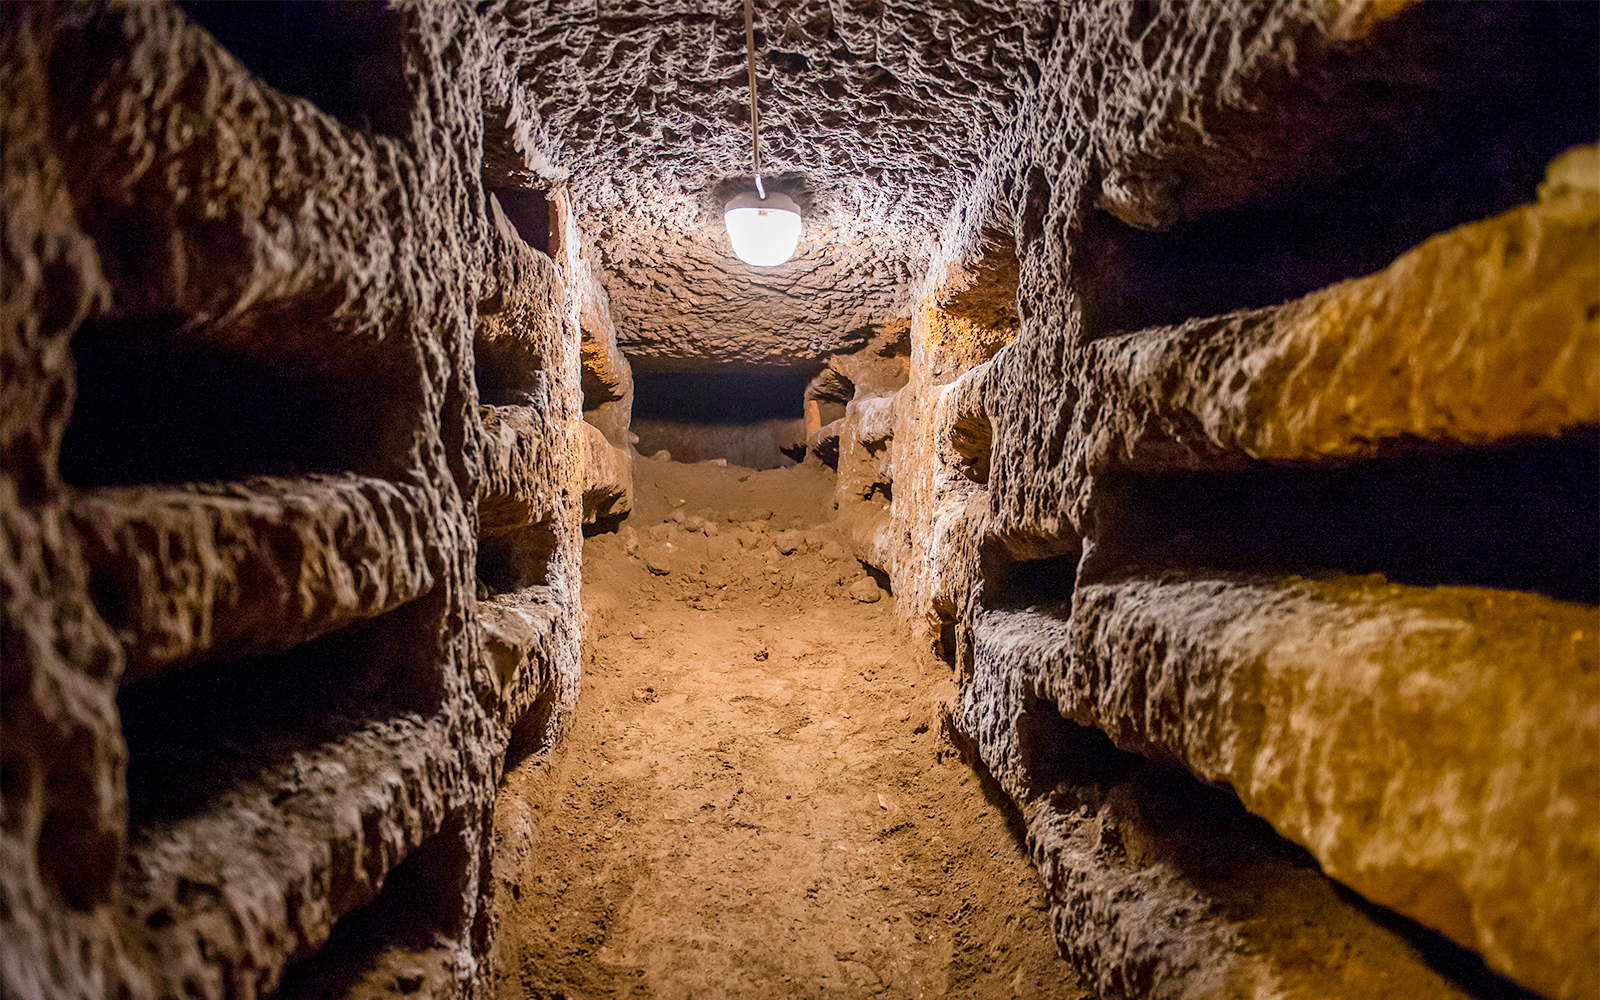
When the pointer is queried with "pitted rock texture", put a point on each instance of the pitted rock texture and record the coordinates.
(875, 118)
(1170, 182)
(1085, 275)
(1489, 332)
(1396, 732)
(607, 477)
(255, 567)
(252, 724)
(305, 393)
(1161, 890)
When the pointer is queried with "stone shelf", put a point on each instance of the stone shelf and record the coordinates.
(517, 639)
(226, 899)
(1488, 332)
(1434, 748)
(184, 573)
(517, 469)
(1151, 878)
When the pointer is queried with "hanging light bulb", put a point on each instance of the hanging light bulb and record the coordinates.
(764, 229)
(764, 232)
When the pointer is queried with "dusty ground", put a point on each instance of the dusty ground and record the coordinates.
(755, 799)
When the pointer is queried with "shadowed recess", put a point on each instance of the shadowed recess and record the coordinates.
(1442, 149)
(415, 916)
(155, 407)
(194, 734)
(719, 397)
(529, 213)
(1518, 517)
(343, 57)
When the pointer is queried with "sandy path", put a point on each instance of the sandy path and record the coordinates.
(754, 799)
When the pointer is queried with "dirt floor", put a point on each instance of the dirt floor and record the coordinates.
(754, 798)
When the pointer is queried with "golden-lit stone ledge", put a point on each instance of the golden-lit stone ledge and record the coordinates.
(1487, 332)
(1437, 749)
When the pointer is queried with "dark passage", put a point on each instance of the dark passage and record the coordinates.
(718, 397)
(751, 419)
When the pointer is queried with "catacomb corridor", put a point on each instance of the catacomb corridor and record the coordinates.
(1143, 543)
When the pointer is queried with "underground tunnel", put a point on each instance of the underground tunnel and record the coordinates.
(516, 500)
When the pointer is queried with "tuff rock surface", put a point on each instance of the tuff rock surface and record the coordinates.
(1214, 386)
(1205, 415)
(254, 711)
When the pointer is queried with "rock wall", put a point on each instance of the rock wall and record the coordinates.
(294, 470)
(1217, 385)
(1260, 536)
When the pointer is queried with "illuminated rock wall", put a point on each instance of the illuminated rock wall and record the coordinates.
(294, 470)
(1261, 537)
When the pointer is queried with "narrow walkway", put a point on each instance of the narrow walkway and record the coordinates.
(754, 799)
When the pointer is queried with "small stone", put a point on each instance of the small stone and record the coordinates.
(662, 456)
(761, 654)
(788, 542)
(866, 590)
(658, 558)
(833, 551)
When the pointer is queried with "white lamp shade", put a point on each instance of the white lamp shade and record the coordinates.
(764, 232)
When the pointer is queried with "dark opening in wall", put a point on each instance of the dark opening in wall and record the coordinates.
(530, 213)
(749, 419)
(423, 907)
(194, 734)
(827, 450)
(1516, 517)
(831, 386)
(598, 388)
(515, 560)
(878, 576)
(948, 634)
(508, 372)
(1053, 750)
(1492, 93)
(1011, 583)
(531, 735)
(344, 56)
(155, 406)
(718, 397)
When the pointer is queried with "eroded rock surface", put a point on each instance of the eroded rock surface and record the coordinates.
(253, 722)
(1192, 390)
(1220, 377)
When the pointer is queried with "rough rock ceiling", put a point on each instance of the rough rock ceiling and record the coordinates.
(875, 116)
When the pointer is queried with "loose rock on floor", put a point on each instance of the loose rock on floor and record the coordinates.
(755, 798)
